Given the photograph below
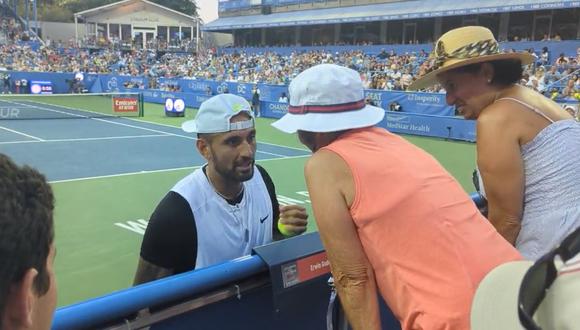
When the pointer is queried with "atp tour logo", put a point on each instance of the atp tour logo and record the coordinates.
(112, 83)
(9, 113)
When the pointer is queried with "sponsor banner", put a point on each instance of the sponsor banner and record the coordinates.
(116, 83)
(455, 128)
(155, 96)
(40, 87)
(424, 103)
(273, 109)
(125, 104)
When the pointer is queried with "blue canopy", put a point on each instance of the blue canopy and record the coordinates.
(385, 12)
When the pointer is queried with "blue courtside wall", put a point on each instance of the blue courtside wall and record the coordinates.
(422, 113)
(59, 80)
(270, 303)
(194, 91)
(435, 126)
(415, 102)
(446, 127)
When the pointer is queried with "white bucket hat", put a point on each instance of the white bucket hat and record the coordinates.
(328, 98)
(215, 113)
(523, 294)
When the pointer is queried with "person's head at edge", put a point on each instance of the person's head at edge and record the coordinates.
(326, 101)
(27, 285)
(469, 65)
(227, 140)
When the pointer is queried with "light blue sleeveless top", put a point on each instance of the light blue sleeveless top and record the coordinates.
(552, 186)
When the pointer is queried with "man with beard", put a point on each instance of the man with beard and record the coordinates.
(222, 210)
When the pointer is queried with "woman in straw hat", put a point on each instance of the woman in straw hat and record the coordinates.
(527, 147)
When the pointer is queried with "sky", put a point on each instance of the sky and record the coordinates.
(208, 9)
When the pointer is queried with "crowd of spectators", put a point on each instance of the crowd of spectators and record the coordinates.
(11, 30)
(552, 74)
(116, 43)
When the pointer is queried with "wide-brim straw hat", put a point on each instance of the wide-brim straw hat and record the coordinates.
(464, 46)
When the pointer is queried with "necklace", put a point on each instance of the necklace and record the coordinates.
(220, 194)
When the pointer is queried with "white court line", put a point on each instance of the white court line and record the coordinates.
(97, 119)
(271, 153)
(23, 134)
(178, 135)
(51, 110)
(160, 171)
(150, 129)
(89, 139)
(166, 125)
(144, 128)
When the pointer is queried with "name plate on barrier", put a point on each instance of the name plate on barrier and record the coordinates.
(302, 270)
(296, 264)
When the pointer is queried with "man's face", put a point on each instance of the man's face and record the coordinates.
(46, 304)
(232, 154)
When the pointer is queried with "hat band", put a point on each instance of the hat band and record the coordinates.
(474, 49)
(240, 125)
(332, 108)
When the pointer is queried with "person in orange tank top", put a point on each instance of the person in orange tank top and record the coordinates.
(393, 221)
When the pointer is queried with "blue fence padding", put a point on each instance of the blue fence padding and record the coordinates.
(110, 307)
(415, 102)
(273, 109)
(405, 123)
(116, 83)
(192, 100)
(568, 47)
(426, 125)
(59, 80)
(118, 305)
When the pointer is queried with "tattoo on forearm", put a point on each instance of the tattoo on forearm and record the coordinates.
(147, 272)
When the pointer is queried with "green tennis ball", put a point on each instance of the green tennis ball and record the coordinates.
(283, 230)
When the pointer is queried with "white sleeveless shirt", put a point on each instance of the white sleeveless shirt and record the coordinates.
(224, 231)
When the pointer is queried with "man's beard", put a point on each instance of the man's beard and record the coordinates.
(230, 174)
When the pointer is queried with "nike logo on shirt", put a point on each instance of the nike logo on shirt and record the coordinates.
(264, 219)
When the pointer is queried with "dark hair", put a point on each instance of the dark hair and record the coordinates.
(208, 137)
(26, 226)
(506, 72)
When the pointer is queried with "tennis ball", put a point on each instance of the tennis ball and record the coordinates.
(283, 230)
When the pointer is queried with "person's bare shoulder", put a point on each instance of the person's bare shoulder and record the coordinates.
(327, 169)
(325, 163)
(501, 115)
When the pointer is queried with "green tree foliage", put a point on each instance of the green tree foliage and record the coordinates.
(62, 10)
(54, 13)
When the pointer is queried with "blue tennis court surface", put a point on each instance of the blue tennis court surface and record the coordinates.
(66, 149)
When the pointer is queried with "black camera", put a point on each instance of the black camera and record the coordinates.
(395, 106)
